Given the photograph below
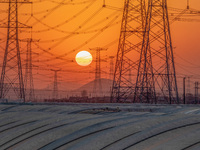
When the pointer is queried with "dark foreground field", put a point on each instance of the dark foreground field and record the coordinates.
(99, 127)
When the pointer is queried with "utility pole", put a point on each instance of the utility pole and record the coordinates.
(196, 92)
(156, 47)
(184, 101)
(188, 85)
(97, 82)
(55, 84)
(11, 75)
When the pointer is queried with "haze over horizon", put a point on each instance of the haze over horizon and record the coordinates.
(64, 28)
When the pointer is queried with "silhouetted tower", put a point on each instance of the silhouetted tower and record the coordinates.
(196, 92)
(130, 41)
(184, 97)
(11, 75)
(28, 78)
(156, 65)
(111, 67)
(188, 85)
(55, 84)
(97, 82)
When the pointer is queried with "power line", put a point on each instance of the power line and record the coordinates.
(63, 23)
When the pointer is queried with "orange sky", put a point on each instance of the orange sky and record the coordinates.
(64, 30)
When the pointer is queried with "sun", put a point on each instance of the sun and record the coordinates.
(83, 58)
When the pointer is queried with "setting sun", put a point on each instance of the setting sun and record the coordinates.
(83, 58)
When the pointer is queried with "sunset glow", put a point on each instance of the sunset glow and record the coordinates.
(83, 58)
(53, 33)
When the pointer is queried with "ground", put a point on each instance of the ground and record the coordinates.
(99, 127)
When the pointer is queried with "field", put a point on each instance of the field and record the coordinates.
(99, 127)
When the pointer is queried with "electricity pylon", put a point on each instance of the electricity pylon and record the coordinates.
(55, 84)
(28, 78)
(130, 41)
(11, 75)
(156, 78)
(97, 82)
(196, 92)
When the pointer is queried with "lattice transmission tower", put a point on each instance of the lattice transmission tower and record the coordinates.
(11, 82)
(28, 78)
(97, 82)
(55, 84)
(156, 78)
(130, 42)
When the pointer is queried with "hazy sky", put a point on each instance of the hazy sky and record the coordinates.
(65, 27)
